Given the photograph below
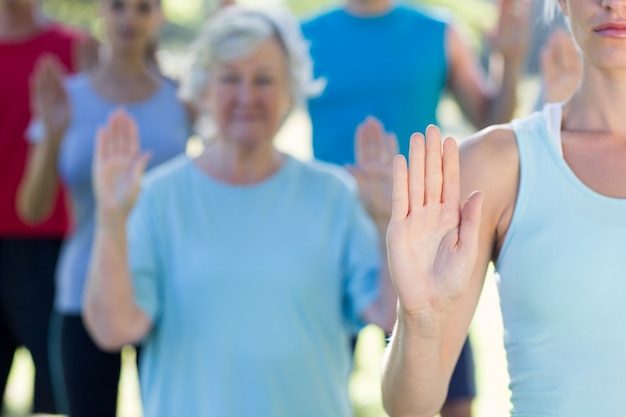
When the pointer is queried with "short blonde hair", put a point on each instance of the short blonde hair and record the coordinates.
(235, 32)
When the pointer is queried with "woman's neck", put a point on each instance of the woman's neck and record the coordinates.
(598, 105)
(124, 66)
(240, 165)
(368, 8)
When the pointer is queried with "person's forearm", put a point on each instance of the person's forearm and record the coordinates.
(388, 297)
(110, 312)
(39, 187)
(500, 107)
(414, 382)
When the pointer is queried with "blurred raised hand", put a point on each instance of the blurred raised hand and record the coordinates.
(432, 241)
(118, 166)
(511, 36)
(49, 100)
(561, 67)
(373, 171)
(88, 54)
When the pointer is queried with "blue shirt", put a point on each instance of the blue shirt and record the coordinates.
(253, 290)
(562, 284)
(163, 128)
(392, 66)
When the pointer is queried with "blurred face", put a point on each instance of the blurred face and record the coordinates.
(131, 24)
(599, 28)
(249, 97)
(16, 6)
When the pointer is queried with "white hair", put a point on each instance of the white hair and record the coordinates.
(235, 32)
(550, 9)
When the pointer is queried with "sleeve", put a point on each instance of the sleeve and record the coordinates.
(362, 266)
(144, 256)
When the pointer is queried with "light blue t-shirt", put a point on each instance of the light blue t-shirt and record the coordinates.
(393, 67)
(562, 284)
(254, 291)
(163, 128)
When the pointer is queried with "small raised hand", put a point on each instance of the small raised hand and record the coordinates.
(432, 241)
(561, 67)
(373, 171)
(49, 100)
(117, 167)
(511, 36)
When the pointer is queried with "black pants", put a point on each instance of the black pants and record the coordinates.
(27, 268)
(86, 382)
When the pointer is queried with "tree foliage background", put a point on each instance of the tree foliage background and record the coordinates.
(184, 17)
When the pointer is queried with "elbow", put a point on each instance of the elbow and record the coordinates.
(102, 333)
(394, 408)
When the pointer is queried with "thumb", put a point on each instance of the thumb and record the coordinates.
(470, 222)
(139, 166)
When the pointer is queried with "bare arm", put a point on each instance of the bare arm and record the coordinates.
(438, 257)
(111, 314)
(375, 150)
(39, 186)
(487, 100)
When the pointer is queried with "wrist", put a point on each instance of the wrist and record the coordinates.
(54, 139)
(111, 219)
(428, 321)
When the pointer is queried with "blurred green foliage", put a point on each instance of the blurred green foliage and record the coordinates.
(185, 16)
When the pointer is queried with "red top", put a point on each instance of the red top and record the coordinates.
(17, 61)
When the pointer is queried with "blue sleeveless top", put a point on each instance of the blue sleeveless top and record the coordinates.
(163, 128)
(562, 284)
(391, 66)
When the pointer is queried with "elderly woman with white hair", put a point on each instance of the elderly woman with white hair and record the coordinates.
(244, 271)
(553, 222)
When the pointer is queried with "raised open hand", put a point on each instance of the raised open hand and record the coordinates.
(561, 67)
(373, 171)
(511, 36)
(118, 166)
(49, 98)
(432, 243)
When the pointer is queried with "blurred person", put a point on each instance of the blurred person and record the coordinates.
(243, 271)
(553, 223)
(393, 62)
(28, 254)
(69, 113)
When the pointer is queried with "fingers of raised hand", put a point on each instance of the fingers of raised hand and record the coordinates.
(372, 147)
(450, 195)
(434, 167)
(123, 139)
(47, 79)
(400, 193)
(434, 176)
(515, 10)
(417, 164)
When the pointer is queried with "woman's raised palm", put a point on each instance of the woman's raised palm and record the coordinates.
(432, 242)
(118, 166)
(49, 98)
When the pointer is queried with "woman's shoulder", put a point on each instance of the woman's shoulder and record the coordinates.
(492, 145)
